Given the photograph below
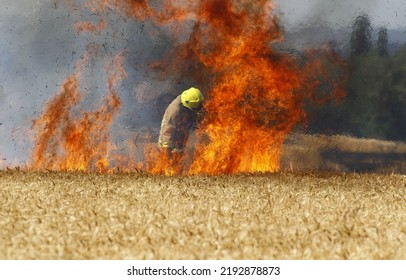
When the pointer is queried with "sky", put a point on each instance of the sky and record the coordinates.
(391, 13)
(39, 49)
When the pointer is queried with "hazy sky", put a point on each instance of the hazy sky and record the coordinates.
(382, 12)
(391, 13)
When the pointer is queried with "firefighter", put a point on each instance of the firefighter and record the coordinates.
(180, 117)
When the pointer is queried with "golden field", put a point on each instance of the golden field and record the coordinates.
(284, 215)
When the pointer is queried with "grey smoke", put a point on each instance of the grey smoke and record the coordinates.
(40, 48)
(2, 95)
(34, 59)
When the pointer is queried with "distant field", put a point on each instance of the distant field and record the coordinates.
(339, 153)
(263, 216)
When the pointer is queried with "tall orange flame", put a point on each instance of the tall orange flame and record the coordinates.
(79, 142)
(256, 95)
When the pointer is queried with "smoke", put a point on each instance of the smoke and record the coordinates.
(43, 41)
(2, 95)
(35, 57)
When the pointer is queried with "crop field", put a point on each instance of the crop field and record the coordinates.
(285, 215)
(85, 92)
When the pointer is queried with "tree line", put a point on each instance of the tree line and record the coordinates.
(375, 105)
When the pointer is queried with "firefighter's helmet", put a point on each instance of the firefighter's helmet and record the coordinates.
(192, 98)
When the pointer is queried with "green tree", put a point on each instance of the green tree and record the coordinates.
(361, 35)
(376, 99)
(383, 42)
(395, 92)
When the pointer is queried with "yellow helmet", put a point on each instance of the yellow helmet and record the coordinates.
(192, 98)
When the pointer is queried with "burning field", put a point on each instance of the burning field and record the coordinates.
(255, 94)
(94, 185)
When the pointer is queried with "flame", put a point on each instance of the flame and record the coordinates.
(160, 161)
(76, 142)
(255, 94)
(252, 104)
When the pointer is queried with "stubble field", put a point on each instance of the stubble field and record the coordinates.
(254, 216)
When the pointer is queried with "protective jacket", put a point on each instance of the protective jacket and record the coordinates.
(175, 126)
